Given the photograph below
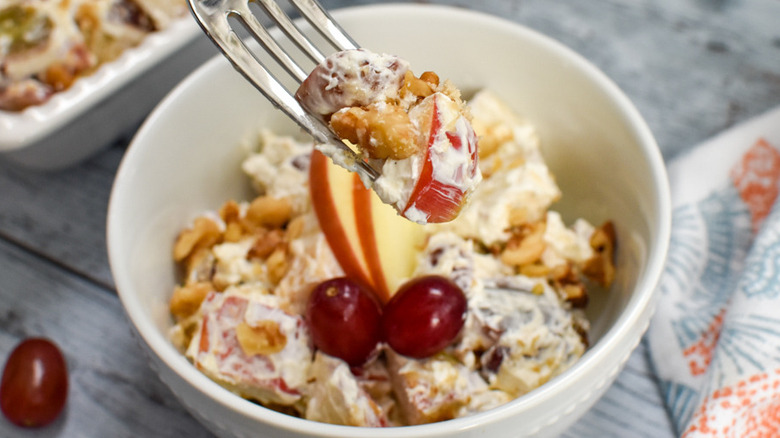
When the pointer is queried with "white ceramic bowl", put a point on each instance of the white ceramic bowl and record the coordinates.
(185, 160)
(78, 122)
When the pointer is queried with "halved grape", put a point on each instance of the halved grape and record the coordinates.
(344, 319)
(424, 316)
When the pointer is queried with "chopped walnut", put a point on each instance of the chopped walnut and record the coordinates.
(563, 273)
(569, 285)
(263, 338)
(526, 245)
(295, 228)
(420, 87)
(381, 131)
(198, 266)
(231, 215)
(269, 212)
(266, 243)
(575, 294)
(277, 264)
(230, 212)
(186, 300)
(601, 267)
(203, 234)
(535, 270)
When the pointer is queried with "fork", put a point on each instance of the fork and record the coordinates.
(213, 17)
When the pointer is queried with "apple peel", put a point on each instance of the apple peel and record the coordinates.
(371, 242)
(336, 215)
(450, 168)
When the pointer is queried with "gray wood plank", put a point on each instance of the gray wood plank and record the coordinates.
(62, 215)
(113, 391)
(693, 68)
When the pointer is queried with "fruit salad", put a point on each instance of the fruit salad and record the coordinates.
(45, 45)
(318, 300)
(414, 130)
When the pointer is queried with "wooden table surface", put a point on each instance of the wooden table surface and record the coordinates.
(692, 67)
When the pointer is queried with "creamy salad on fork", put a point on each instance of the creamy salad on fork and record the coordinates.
(415, 130)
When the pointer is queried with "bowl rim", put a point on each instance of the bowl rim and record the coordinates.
(24, 128)
(638, 309)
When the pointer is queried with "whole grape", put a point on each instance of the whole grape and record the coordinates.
(34, 386)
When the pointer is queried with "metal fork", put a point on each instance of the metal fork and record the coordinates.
(213, 17)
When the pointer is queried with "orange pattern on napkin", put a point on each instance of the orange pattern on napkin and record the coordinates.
(699, 355)
(756, 178)
(751, 408)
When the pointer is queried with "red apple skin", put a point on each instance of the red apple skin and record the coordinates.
(364, 219)
(439, 200)
(371, 242)
(348, 255)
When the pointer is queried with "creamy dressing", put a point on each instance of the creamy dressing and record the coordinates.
(518, 332)
(361, 78)
(278, 170)
(519, 180)
(273, 378)
(337, 397)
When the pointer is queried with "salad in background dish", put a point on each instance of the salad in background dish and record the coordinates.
(318, 300)
(46, 45)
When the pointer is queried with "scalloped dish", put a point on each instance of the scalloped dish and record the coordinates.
(59, 59)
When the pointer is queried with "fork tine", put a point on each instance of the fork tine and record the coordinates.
(268, 42)
(247, 64)
(212, 15)
(325, 24)
(291, 30)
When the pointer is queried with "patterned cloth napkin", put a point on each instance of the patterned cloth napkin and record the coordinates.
(715, 337)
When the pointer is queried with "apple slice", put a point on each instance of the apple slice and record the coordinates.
(332, 192)
(371, 242)
(390, 242)
(450, 169)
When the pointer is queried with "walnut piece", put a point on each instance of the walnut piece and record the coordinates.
(203, 234)
(267, 241)
(269, 212)
(526, 246)
(186, 300)
(263, 338)
(277, 264)
(420, 87)
(383, 131)
(601, 267)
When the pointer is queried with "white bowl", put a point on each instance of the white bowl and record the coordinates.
(185, 160)
(78, 122)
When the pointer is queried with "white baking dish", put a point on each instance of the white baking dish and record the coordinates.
(91, 114)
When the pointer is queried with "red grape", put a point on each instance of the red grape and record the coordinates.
(344, 318)
(424, 316)
(34, 387)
